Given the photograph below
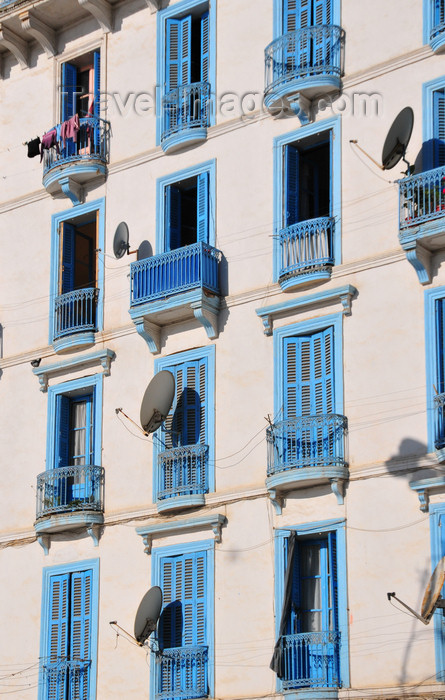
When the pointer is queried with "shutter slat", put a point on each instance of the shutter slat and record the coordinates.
(205, 47)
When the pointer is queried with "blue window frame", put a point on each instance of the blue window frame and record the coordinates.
(77, 273)
(68, 641)
(80, 86)
(291, 15)
(435, 368)
(185, 574)
(307, 202)
(311, 600)
(434, 24)
(186, 208)
(437, 533)
(184, 446)
(186, 60)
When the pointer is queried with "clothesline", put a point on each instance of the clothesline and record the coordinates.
(58, 134)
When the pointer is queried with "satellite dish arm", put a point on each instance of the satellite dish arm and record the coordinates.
(413, 612)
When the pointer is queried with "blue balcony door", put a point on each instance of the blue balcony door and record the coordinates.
(439, 387)
(187, 214)
(69, 637)
(183, 621)
(74, 446)
(439, 130)
(307, 182)
(309, 391)
(307, 49)
(314, 611)
(80, 94)
(78, 256)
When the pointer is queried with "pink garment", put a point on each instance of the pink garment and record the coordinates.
(69, 129)
(48, 141)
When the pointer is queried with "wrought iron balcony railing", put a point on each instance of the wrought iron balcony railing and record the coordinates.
(311, 659)
(438, 19)
(183, 471)
(439, 404)
(308, 441)
(303, 54)
(185, 107)
(8, 4)
(66, 679)
(91, 144)
(422, 198)
(182, 673)
(306, 247)
(75, 312)
(192, 267)
(72, 488)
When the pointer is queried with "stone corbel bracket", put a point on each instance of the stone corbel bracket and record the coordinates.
(101, 10)
(150, 332)
(40, 31)
(215, 522)
(15, 44)
(45, 542)
(338, 488)
(278, 500)
(301, 107)
(206, 312)
(344, 295)
(72, 189)
(424, 487)
(95, 530)
(420, 259)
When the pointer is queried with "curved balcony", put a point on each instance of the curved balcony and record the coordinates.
(185, 116)
(75, 319)
(307, 451)
(182, 477)
(69, 165)
(182, 673)
(311, 660)
(179, 285)
(69, 497)
(306, 252)
(306, 62)
(422, 218)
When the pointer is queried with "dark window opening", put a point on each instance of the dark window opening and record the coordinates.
(196, 50)
(307, 181)
(78, 256)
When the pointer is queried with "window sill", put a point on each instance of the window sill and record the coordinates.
(64, 522)
(185, 138)
(195, 500)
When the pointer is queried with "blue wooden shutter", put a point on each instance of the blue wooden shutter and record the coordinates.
(58, 618)
(194, 599)
(323, 372)
(205, 47)
(97, 84)
(440, 342)
(172, 217)
(69, 87)
(438, 13)
(291, 185)
(321, 49)
(68, 244)
(293, 626)
(321, 12)
(178, 52)
(80, 631)
(62, 431)
(290, 409)
(333, 576)
(438, 128)
(296, 15)
(203, 208)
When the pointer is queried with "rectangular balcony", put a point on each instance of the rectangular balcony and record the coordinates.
(70, 489)
(311, 660)
(91, 144)
(307, 61)
(192, 267)
(66, 679)
(182, 476)
(422, 218)
(185, 116)
(182, 673)
(306, 251)
(75, 312)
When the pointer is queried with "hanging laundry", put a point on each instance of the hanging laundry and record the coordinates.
(33, 147)
(69, 129)
(48, 141)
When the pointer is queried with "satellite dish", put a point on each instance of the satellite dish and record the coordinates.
(120, 241)
(144, 251)
(148, 614)
(157, 401)
(397, 139)
(432, 592)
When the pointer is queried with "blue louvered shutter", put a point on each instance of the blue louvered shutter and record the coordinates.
(333, 577)
(194, 599)
(203, 208)
(296, 15)
(173, 217)
(178, 52)
(205, 47)
(309, 374)
(293, 625)
(321, 43)
(68, 257)
(438, 13)
(170, 623)
(80, 622)
(69, 87)
(439, 128)
(63, 410)
(291, 185)
(440, 342)
(187, 417)
(97, 84)
(58, 634)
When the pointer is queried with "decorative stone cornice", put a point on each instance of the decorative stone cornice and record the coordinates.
(40, 31)
(101, 357)
(214, 521)
(15, 44)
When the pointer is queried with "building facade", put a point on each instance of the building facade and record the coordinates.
(194, 186)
